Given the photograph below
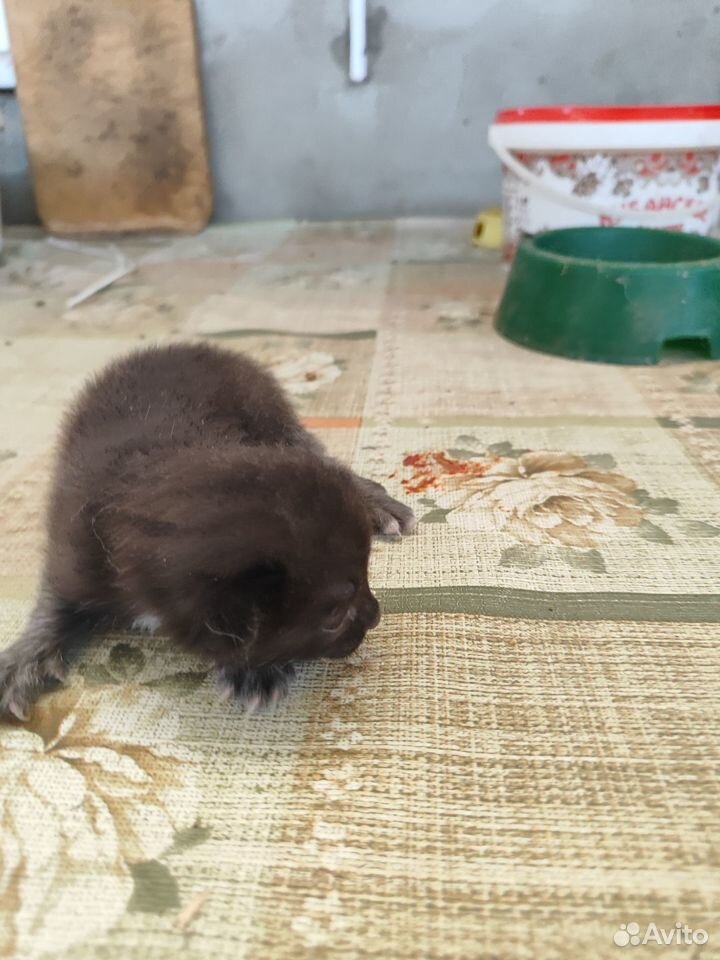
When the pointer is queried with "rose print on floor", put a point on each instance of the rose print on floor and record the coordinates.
(705, 379)
(90, 790)
(453, 315)
(552, 503)
(302, 372)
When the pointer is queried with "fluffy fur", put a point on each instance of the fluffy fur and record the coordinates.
(188, 497)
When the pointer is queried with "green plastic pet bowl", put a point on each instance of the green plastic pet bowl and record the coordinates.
(614, 294)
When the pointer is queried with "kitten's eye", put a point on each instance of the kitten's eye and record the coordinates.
(335, 619)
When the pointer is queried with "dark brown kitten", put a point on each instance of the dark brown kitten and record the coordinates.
(188, 496)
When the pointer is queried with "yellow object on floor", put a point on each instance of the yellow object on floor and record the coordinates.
(487, 231)
(523, 761)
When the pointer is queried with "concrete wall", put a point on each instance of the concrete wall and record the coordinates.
(16, 195)
(291, 138)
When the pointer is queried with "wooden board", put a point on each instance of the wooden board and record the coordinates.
(112, 110)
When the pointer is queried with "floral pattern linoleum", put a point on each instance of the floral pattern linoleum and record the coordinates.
(519, 760)
(543, 499)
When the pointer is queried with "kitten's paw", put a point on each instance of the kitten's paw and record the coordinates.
(256, 689)
(392, 518)
(23, 680)
(388, 516)
(147, 623)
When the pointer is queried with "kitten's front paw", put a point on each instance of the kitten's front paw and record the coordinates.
(146, 623)
(256, 689)
(388, 516)
(392, 518)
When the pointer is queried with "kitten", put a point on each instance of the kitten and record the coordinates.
(188, 497)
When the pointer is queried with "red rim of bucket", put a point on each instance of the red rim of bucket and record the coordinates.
(580, 114)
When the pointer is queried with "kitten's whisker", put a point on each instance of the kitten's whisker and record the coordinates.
(224, 633)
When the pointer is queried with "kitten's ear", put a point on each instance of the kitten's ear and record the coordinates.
(242, 594)
(264, 579)
(244, 545)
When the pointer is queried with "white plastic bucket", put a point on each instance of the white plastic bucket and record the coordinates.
(610, 166)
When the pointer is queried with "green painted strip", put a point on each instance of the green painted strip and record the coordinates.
(257, 332)
(470, 420)
(474, 259)
(539, 605)
(707, 423)
(702, 423)
(510, 421)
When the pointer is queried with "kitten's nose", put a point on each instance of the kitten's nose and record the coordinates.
(373, 613)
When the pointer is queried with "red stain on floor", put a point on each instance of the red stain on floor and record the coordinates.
(430, 467)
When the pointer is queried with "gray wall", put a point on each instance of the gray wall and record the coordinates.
(18, 205)
(291, 138)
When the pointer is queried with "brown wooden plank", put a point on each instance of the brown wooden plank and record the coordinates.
(112, 110)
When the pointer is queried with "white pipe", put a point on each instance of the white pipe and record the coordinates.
(7, 70)
(358, 41)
